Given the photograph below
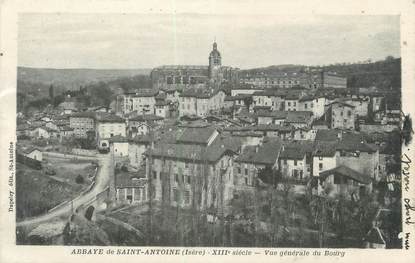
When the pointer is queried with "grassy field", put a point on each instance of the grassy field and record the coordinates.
(68, 170)
(37, 192)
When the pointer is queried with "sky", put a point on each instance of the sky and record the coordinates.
(122, 41)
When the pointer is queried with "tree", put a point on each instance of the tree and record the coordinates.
(101, 94)
(407, 130)
(90, 140)
(39, 103)
(269, 175)
(51, 92)
(79, 179)
(389, 58)
(248, 102)
(58, 100)
(20, 100)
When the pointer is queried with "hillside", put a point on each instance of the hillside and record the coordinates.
(73, 78)
(384, 74)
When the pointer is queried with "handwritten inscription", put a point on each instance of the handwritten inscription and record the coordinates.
(406, 165)
(406, 242)
(409, 208)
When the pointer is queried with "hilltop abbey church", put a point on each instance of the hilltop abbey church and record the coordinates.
(179, 77)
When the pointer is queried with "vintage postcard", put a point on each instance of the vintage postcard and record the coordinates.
(207, 131)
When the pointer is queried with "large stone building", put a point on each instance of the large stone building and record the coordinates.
(181, 77)
(310, 80)
(201, 102)
(141, 101)
(340, 115)
(81, 123)
(108, 126)
(197, 167)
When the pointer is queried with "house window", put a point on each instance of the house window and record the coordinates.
(176, 178)
(295, 162)
(285, 162)
(189, 179)
(246, 180)
(246, 171)
(295, 174)
(320, 166)
(186, 165)
(154, 175)
(239, 170)
(289, 104)
(349, 113)
(187, 197)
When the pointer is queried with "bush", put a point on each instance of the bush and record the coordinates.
(124, 168)
(23, 137)
(79, 179)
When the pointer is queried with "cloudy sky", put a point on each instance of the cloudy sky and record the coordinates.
(146, 41)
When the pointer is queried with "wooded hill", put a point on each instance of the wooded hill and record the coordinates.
(384, 74)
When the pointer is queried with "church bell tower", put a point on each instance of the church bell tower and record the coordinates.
(215, 62)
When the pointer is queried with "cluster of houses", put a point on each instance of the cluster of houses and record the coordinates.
(55, 123)
(339, 161)
(315, 137)
(203, 134)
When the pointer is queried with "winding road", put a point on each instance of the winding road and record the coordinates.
(102, 179)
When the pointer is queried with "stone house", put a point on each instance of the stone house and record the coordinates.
(340, 115)
(344, 181)
(254, 158)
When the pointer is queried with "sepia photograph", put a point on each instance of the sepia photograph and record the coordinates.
(209, 130)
